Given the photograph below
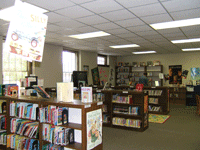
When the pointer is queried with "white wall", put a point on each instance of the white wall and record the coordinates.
(50, 69)
(187, 60)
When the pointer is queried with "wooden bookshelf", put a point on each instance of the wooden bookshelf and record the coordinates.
(76, 104)
(158, 98)
(177, 95)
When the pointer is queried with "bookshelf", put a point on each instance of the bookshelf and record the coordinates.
(78, 113)
(177, 95)
(158, 100)
(129, 110)
(126, 74)
(153, 73)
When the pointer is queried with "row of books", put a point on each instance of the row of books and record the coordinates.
(58, 135)
(122, 99)
(126, 110)
(135, 74)
(122, 81)
(54, 115)
(3, 106)
(18, 142)
(155, 108)
(52, 147)
(106, 118)
(153, 100)
(127, 122)
(24, 110)
(123, 69)
(97, 97)
(3, 122)
(154, 92)
(123, 76)
(3, 137)
(24, 127)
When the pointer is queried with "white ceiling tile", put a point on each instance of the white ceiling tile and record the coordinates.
(53, 17)
(66, 32)
(120, 41)
(53, 28)
(75, 12)
(191, 28)
(92, 20)
(106, 26)
(70, 24)
(173, 35)
(130, 22)
(51, 5)
(152, 32)
(186, 14)
(101, 6)
(81, 1)
(127, 35)
(143, 28)
(135, 3)
(118, 15)
(7, 3)
(118, 31)
(167, 31)
(148, 10)
(86, 29)
(178, 5)
(157, 18)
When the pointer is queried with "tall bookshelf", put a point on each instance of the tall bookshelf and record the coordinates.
(177, 95)
(125, 74)
(77, 110)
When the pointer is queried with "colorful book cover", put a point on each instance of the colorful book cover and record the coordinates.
(86, 94)
(60, 116)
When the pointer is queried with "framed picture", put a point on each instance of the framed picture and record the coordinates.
(120, 63)
(126, 64)
(149, 63)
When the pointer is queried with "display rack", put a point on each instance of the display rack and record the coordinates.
(81, 127)
(177, 95)
(153, 74)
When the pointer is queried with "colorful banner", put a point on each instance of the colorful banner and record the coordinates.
(94, 128)
(26, 34)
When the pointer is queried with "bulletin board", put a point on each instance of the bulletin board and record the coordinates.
(103, 74)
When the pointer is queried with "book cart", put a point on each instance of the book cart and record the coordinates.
(80, 128)
(158, 100)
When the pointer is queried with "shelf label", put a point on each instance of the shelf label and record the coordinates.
(112, 86)
(99, 91)
(87, 106)
(100, 103)
(94, 85)
(125, 92)
(131, 86)
(153, 87)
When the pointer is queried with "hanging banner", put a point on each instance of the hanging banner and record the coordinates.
(26, 34)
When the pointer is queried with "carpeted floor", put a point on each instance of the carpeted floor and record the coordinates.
(180, 132)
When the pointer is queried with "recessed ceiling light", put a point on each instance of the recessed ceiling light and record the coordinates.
(176, 24)
(89, 35)
(191, 49)
(7, 13)
(144, 52)
(125, 46)
(186, 40)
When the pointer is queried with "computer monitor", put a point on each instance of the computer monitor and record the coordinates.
(80, 78)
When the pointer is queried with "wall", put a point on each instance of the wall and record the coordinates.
(50, 69)
(89, 59)
(186, 59)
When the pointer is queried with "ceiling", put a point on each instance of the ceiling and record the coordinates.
(126, 20)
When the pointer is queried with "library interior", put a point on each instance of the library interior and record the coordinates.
(99, 75)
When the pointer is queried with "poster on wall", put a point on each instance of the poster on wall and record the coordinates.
(26, 34)
(195, 73)
(94, 128)
(103, 74)
(175, 74)
(95, 76)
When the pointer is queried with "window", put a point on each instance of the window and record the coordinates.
(101, 60)
(69, 60)
(14, 67)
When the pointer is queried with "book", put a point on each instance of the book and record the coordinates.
(41, 91)
(64, 116)
(65, 91)
(86, 94)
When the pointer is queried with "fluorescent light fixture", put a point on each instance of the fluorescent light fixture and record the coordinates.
(89, 35)
(125, 46)
(191, 49)
(176, 24)
(7, 13)
(186, 40)
(144, 52)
